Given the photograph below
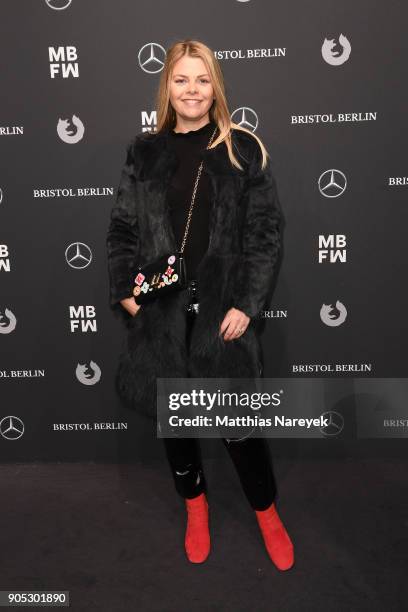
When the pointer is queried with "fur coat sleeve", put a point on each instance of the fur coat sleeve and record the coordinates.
(261, 238)
(122, 241)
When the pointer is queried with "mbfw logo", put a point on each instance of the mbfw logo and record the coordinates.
(78, 255)
(245, 117)
(149, 121)
(63, 62)
(82, 318)
(333, 316)
(88, 373)
(8, 321)
(332, 248)
(70, 131)
(11, 427)
(332, 183)
(4, 258)
(336, 53)
(151, 58)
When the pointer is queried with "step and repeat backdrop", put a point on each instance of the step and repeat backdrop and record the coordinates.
(322, 83)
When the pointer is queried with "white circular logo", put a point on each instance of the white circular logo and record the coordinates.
(70, 131)
(78, 255)
(8, 321)
(334, 55)
(333, 315)
(245, 117)
(335, 423)
(58, 5)
(11, 427)
(88, 373)
(151, 57)
(332, 183)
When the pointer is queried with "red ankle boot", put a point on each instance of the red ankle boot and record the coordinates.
(276, 538)
(197, 538)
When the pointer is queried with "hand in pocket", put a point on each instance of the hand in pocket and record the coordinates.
(130, 305)
(138, 307)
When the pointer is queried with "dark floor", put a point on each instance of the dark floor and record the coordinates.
(113, 536)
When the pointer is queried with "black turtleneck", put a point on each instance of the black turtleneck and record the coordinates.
(188, 147)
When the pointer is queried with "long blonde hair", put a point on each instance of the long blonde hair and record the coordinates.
(219, 113)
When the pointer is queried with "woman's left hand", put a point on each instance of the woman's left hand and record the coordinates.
(235, 323)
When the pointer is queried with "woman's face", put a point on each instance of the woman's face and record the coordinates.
(191, 90)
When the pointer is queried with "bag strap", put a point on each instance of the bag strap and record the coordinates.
(193, 196)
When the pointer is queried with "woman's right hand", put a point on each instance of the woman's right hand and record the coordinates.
(130, 305)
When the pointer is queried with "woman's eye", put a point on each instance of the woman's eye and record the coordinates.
(182, 80)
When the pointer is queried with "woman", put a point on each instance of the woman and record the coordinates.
(210, 329)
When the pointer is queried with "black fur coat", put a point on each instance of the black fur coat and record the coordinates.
(238, 270)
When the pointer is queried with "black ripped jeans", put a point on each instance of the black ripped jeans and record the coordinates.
(250, 456)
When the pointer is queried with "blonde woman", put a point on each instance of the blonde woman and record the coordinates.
(211, 328)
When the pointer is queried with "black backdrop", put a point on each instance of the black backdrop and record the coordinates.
(54, 309)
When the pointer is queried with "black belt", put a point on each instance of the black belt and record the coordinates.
(193, 303)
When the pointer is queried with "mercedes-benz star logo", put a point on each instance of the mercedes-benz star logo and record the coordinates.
(246, 117)
(11, 427)
(58, 5)
(335, 423)
(151, 57)
(332, 183)
(78, 255)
